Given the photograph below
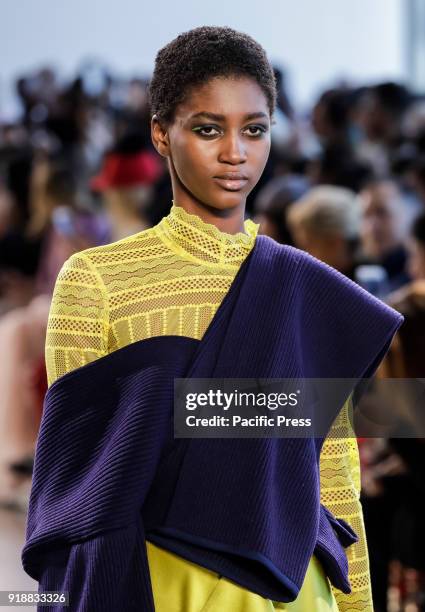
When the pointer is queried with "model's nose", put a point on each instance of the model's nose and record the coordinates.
(233, 150)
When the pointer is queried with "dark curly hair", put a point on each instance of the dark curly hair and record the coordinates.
(196, 56)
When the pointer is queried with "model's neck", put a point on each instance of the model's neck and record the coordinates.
(230, 221)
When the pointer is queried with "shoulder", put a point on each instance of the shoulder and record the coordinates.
(101, 259)
(123, 248)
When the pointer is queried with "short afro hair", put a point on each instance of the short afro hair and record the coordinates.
(196, 56)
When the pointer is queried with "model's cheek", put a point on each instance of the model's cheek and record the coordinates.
(201, 165)
(259, 157)
(198, 164)
(192, 169)
(205, 154)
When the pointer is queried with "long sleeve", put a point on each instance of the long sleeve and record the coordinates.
(340, 492)
(77, 328)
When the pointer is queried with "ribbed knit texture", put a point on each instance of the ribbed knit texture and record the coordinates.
(170, 280)
(99, 445)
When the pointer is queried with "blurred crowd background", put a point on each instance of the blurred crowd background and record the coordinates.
(345, 181)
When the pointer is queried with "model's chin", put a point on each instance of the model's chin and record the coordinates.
(223, 198)
(227, 201)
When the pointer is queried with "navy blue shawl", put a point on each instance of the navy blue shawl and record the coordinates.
(109, 475)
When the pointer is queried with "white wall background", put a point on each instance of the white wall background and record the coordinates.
(318, 40)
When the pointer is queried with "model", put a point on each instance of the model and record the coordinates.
(122, 515)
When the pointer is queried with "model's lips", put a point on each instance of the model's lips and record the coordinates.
(232, 181)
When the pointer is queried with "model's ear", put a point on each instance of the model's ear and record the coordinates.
(159, 137)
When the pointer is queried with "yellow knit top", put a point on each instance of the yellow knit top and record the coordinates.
(170, 280)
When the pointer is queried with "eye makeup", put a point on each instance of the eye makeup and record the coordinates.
(199, 129)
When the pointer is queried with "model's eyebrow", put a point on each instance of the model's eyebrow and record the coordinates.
(216, 117)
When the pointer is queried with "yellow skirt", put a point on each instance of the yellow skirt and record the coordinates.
(179, 585)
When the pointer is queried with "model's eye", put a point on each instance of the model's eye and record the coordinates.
(256, 130)
(206, 130)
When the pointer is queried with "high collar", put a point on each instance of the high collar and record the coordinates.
(193, 238)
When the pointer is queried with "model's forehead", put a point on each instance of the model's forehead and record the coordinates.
(226, 96)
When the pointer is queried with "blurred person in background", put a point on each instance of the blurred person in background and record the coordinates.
(132, 112)
(410, 299)
(385, 222)
(6, 209)
(57, 216)
(64, 230)
(325, 223)
(330, 118)
(393, 470)
(416, 249)
(336, 163)
(283, 101)
(384, 107)
(15, 286)
(417, 176)
(272, 203)
(338, 166)
(283, 132)
(127, 183)
(379, 115)
(19, 252)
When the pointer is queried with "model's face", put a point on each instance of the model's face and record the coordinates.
(218, 143)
